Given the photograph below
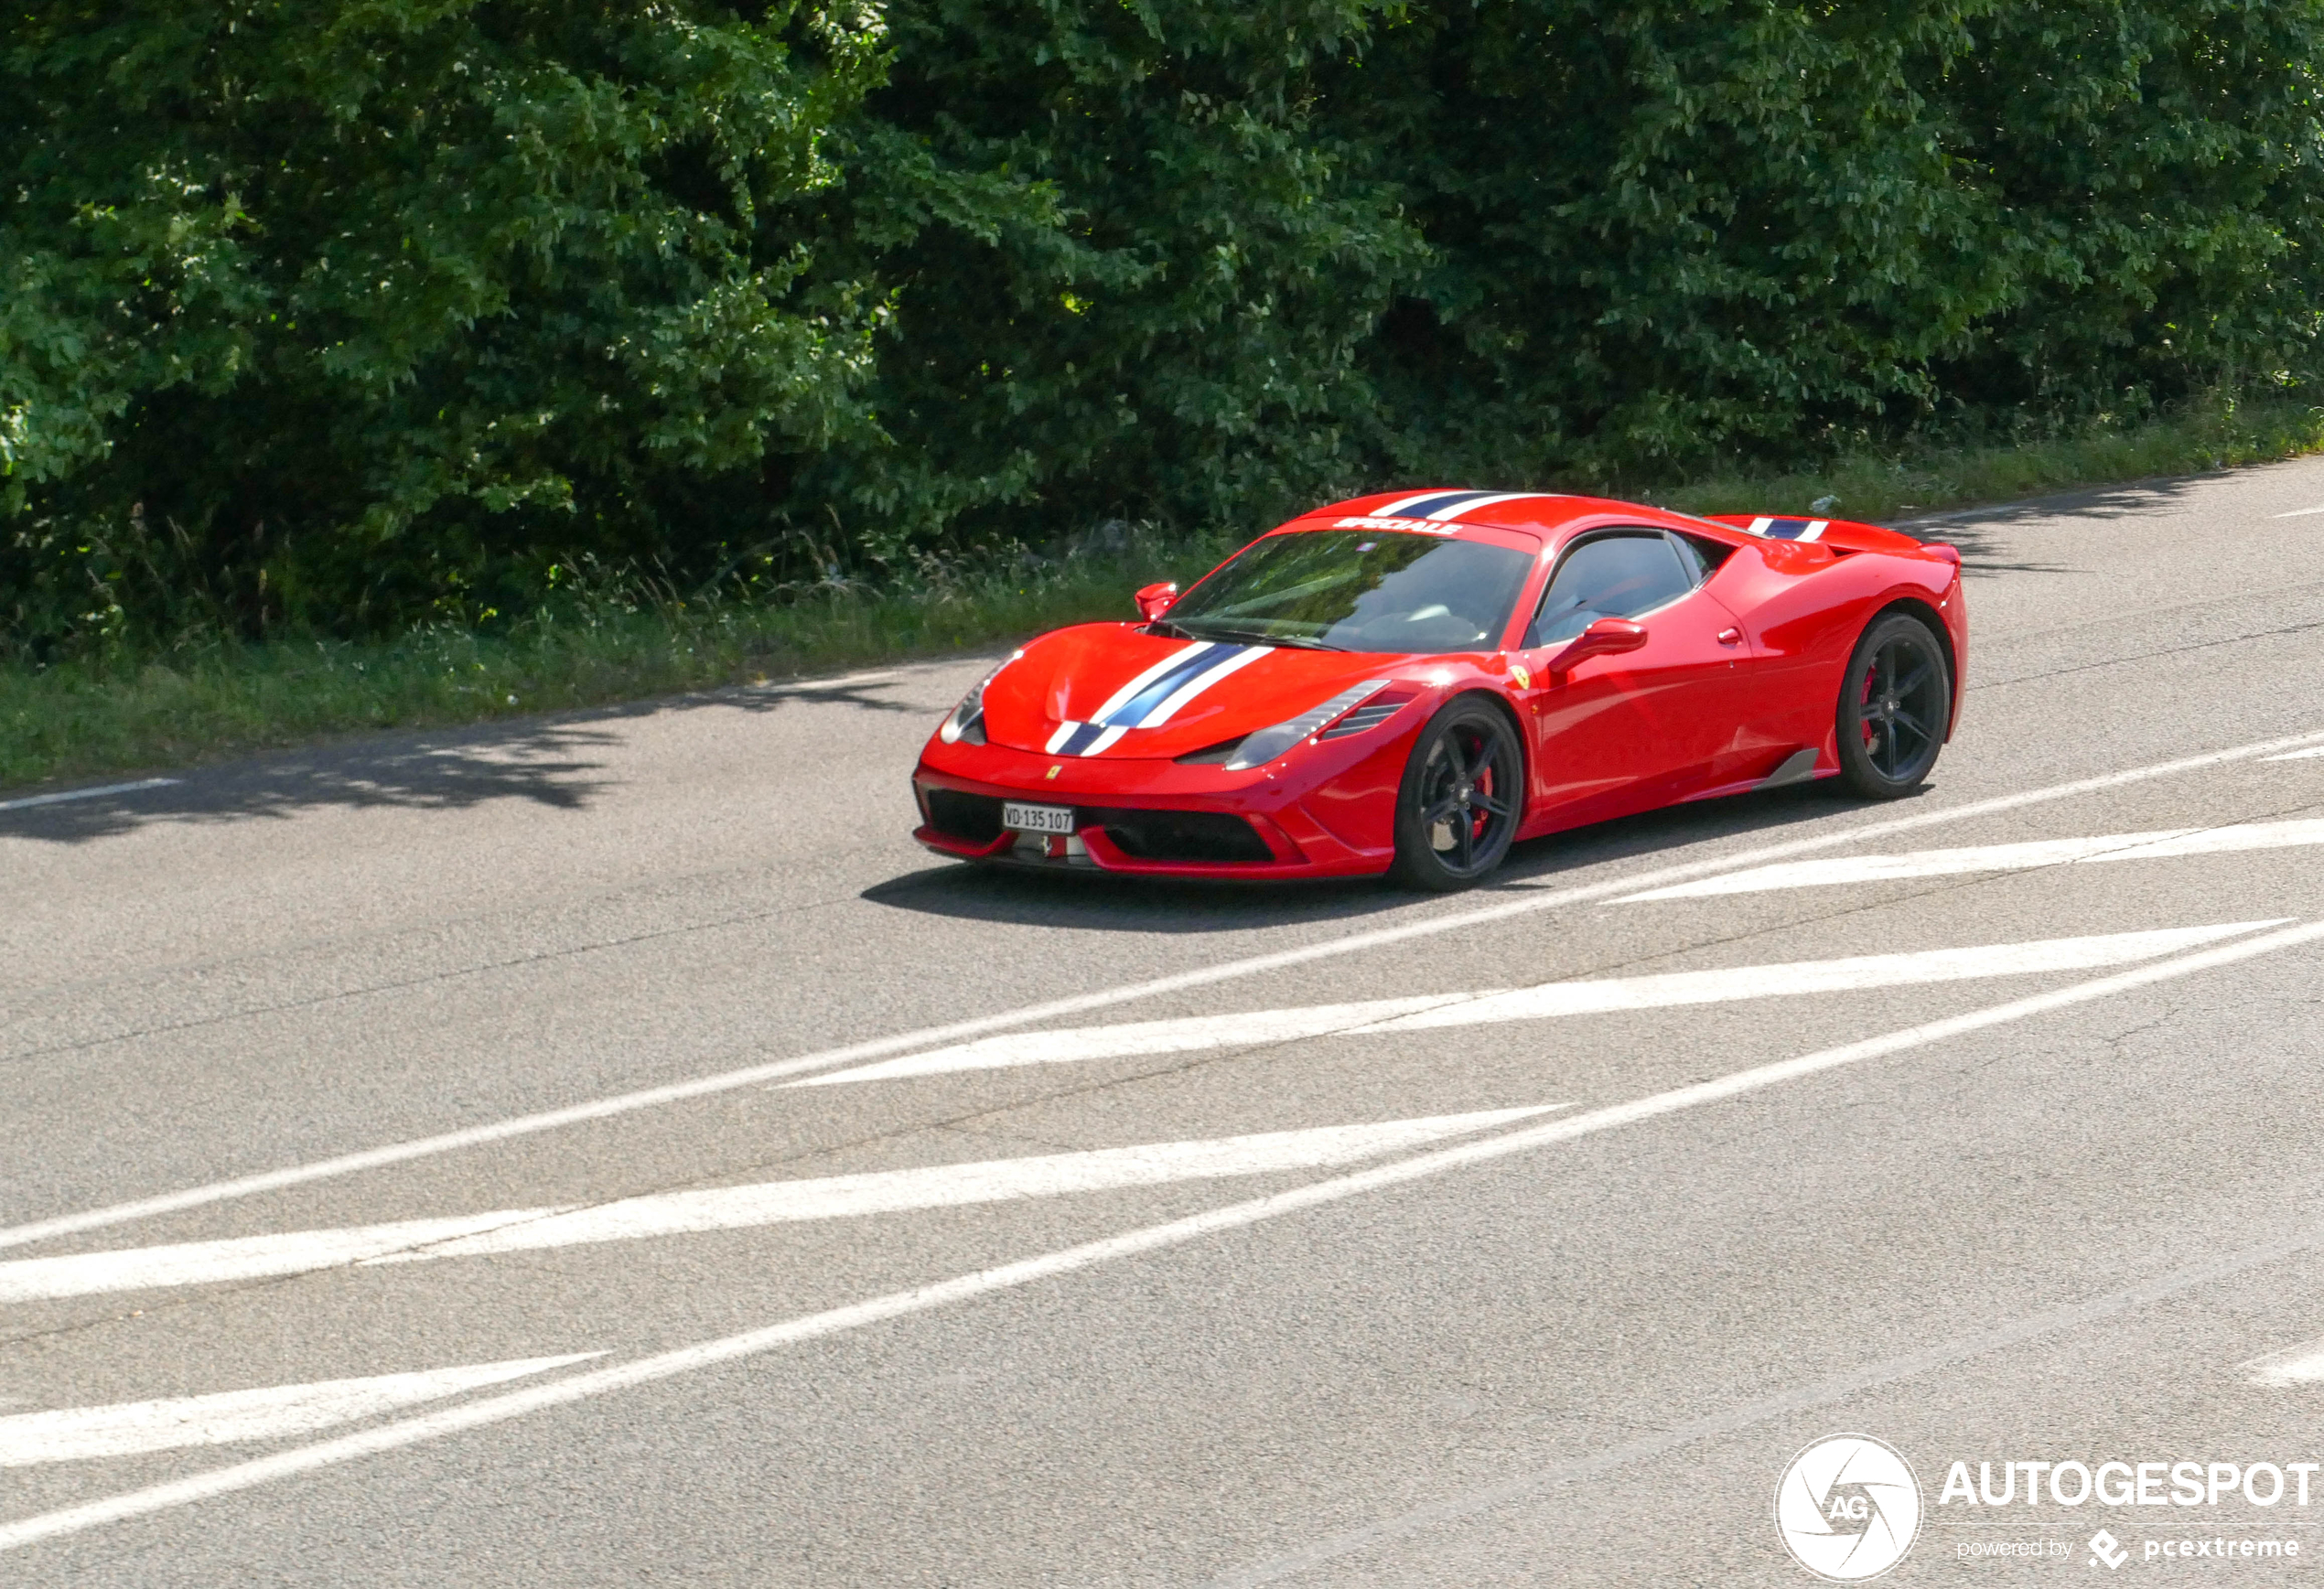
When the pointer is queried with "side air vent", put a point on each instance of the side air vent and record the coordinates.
(1369, 715)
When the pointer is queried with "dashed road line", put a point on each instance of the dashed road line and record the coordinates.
(1544, 1001)
(575, 1388)
(233, 1417)
(735, 1208)
(2302, 1365)
(1526, 902)
(2025, 856)
(25, 801)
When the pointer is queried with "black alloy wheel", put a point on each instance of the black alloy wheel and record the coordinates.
(1457, 807)
(1896, 705)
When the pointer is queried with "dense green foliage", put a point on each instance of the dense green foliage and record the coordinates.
(1666, 229)
(329, 315)
(337, 309)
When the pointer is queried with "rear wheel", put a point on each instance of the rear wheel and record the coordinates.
(1457, 808)
(1895, 707)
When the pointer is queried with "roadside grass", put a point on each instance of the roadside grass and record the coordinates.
(209, 698)
(1876, 489)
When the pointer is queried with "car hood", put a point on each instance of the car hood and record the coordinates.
(1114, 690)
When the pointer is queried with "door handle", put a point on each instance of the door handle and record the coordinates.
(1728, 637)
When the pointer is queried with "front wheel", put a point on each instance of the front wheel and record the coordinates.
(1895, 707)
(1457, 808)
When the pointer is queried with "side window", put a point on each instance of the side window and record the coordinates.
(1700, 557)
(1610, 576)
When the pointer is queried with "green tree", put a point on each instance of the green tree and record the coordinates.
(337, 306)
(1165, 323)
(1668, 232)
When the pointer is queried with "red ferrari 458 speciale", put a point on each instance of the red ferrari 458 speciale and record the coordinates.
(1410, 682)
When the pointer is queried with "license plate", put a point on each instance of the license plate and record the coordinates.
(1037, 819)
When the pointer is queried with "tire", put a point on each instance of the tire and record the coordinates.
(1459, 802)
(1896, 705)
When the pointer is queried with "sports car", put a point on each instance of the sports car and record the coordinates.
(1409, 683)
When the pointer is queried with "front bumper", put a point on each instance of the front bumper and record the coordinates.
(1317, 815)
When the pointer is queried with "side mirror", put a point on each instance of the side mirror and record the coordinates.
(1155, 600)
(1606, 638)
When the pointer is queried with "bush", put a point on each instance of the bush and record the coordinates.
(1676, 235)
(333, 316)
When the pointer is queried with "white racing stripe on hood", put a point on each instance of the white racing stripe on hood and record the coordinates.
(1199, 682)
(1129, 692)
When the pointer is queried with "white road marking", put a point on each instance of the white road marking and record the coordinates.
(489, 1410)
(85, 794)
(809, 686)
(1548, 1000)
(1527, 902)
(2310, 754)
(733, 1208)
(2038, 853)
(2300, 514)
(1853, 1380)
(228, 1417)
(1187, 1036)
(2302, 1365)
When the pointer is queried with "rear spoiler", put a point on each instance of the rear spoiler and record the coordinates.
(1840, 535)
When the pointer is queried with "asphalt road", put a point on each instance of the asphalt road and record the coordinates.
(405, 1176)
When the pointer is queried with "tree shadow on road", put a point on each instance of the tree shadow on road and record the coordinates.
(556, 763)
(1983, 533)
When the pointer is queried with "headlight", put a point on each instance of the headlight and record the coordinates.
(1264, 746)
(967, 721)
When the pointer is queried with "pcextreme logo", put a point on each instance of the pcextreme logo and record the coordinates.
(1848, 1508)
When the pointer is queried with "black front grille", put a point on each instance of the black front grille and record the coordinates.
(974, 819)
(1210, 836)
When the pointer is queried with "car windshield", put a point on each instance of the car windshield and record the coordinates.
(1358, 591)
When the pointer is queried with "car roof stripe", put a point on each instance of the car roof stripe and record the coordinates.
(1426, 503)
(1490, 499)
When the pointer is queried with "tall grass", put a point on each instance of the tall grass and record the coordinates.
(623, 639)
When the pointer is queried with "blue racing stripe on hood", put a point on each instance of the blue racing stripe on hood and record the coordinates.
(1142, 705)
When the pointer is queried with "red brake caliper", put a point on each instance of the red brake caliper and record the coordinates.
(1480, 819)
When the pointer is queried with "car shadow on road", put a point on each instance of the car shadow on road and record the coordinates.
(554, 762)
(1085, 901)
